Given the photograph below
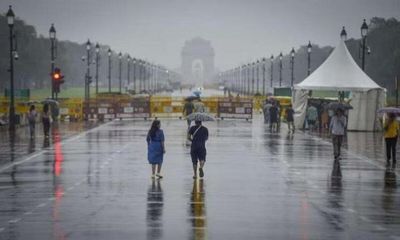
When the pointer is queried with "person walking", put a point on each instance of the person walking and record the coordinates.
(290, 118)
(32, 120)
(188, 109)
(273, 117)
(266, 107)
(312, 116)
(199, 106)
(155, 148)
(337, 128)
(198, 134)
(46, 120)
(391, 133)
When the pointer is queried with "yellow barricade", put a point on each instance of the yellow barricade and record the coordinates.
(211, 104)
(161, 106)
(71, 109)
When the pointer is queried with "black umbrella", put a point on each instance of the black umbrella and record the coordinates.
(191, 98)
(338, 105)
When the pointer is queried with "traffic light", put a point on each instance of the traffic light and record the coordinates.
(58, 79)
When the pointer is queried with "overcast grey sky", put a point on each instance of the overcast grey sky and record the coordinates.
(239, 30)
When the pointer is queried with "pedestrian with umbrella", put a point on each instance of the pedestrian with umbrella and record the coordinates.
(198, 135)
(337, 129)
(391, 133)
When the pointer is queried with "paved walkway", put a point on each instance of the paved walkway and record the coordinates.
(258, 185)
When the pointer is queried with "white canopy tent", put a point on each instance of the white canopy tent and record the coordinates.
(340, 72)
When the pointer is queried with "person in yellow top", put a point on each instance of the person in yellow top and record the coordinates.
(391, 133)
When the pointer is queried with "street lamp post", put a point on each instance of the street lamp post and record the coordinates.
(120, 71)
(292, 66)
(134, 75)
(140, 75)
(280, 69)
(52, 35)
(97, 66)
(252, 77)
(263, 74)
(258, 76)
(272, 71)
(364, 32)
(309, 49)
(87, 79)
(248, 79)
(129, 70)
(10, 20)
(109, 53)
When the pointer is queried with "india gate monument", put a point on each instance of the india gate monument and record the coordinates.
(197, 62)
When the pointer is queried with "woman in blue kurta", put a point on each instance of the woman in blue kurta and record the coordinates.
(155, 148)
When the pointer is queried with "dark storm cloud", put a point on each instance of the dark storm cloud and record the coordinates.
(239, 30)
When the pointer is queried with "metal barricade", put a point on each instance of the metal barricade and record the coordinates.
(236, 108)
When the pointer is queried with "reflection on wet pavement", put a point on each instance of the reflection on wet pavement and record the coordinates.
(95, 184)
(198, 210)
(154, 210)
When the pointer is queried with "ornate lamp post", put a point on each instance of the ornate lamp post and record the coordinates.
(252, 77)
(97, 47)
(134, 75)
(280, 69)
(272, 71)
(263, 74)
(109, 53)
(364, 32)
(10, 21)
(120, 72)
(87, 79)
(292, 66)
(258, 76)
(248, 78)
(52, 35)
(309, 49)
(129, 69)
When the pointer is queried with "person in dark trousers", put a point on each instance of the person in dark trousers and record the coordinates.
(290, 118)
(198, 134)
(391, 133)
(155, 148)
(32, 120)
(337, 129)
(188, 108)
(273, 117)
(46, 120)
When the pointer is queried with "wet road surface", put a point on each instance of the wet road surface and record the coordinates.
(257, 185)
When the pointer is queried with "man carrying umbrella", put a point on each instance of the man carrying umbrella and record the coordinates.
(337, 129)
(198, 134)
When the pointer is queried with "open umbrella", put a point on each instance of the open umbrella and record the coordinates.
(50, 102)
(338, 105)
(191, 98)
(200, 116)
(384, 110)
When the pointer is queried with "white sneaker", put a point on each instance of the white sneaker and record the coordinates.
(159, 175)
(153, 176)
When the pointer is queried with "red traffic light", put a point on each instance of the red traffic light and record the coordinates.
(58, 79)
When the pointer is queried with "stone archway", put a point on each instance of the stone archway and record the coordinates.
(197, 62)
